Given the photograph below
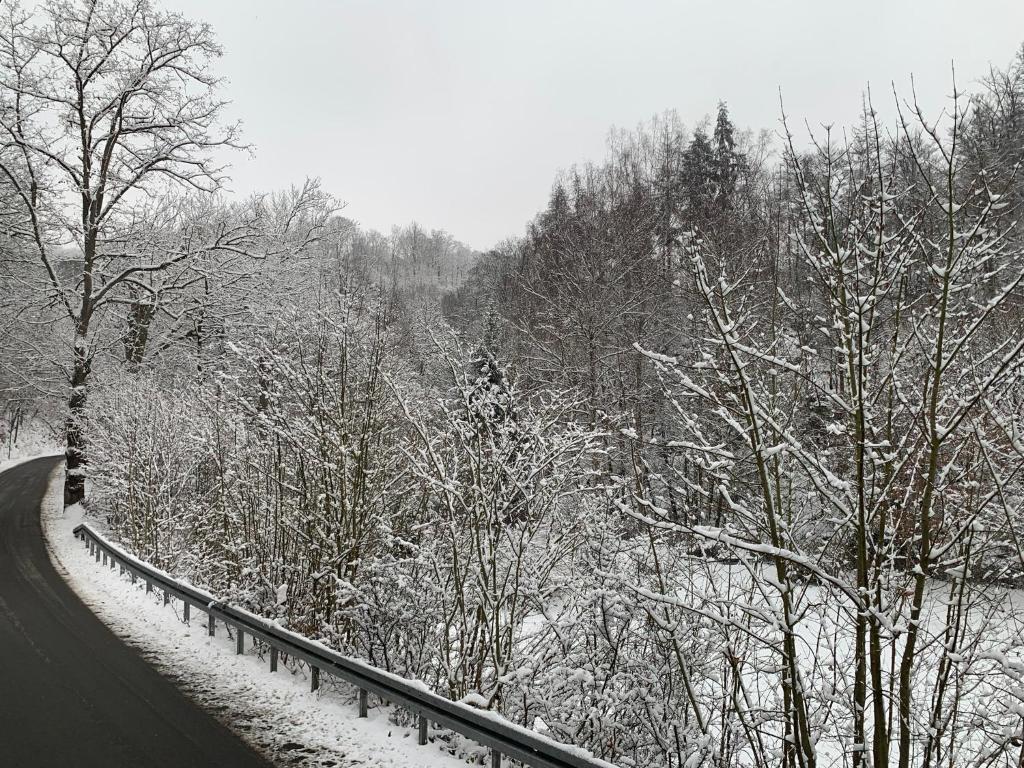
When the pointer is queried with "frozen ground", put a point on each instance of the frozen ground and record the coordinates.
(275, 713)
(27, 448)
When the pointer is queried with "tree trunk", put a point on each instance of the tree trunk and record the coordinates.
(136, 336)
(74, 479)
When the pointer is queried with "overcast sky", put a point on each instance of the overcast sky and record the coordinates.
(458, 113)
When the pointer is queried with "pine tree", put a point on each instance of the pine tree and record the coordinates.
(490, 397)
(728, 162)
(699, 177)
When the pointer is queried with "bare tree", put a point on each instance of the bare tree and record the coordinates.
(105, 105)
(897, 500)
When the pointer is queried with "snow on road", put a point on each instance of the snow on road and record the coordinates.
(275, 713)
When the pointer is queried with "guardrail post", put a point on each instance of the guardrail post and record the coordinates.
(122, 569)
(97, 554)
(314, 680)
(149, 586)
(363, 696)
(240, 643)
(186, 611)
(167, 597)
(273, 658)
(133, 577)
(212, 630)
(423, 730)
(495, 759)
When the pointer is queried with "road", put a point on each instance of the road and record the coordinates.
(71, 692)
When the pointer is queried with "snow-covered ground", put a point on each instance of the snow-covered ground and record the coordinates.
(27, 448)
(276, 713)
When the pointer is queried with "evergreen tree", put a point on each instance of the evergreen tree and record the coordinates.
(728, 162)
(699, 177)
(490, 398)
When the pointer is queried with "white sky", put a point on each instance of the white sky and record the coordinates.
(459, 113)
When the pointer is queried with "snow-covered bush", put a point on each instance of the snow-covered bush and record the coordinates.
(149, 452)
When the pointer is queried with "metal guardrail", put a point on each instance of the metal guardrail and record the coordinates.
(486, 728)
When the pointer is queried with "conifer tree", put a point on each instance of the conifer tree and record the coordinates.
(728, 162)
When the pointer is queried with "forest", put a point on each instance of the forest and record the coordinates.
(720, 462)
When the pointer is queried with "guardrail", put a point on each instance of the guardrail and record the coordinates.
(486, 728)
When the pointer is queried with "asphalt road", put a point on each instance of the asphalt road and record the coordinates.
(71, 693)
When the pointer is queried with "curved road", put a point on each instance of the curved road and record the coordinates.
(71, 692)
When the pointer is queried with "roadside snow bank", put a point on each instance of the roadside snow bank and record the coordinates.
(15, 460)
(275, 713)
